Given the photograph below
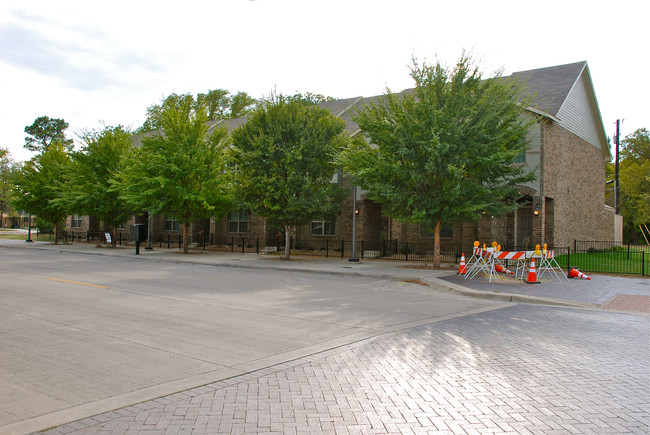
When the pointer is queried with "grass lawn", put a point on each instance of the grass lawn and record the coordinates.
(6, 234)
(608, 262)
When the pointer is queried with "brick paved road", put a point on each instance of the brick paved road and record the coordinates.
(523, 369)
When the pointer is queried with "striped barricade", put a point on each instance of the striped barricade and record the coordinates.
(550, 264)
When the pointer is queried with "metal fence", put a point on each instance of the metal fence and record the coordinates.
(587, 256)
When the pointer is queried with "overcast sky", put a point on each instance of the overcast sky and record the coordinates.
(93, 63)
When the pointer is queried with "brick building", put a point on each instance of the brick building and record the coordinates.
(569, 152)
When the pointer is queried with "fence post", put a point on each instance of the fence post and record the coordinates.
(575, 245)
(362, 249)
(642, 263)
(568, 258)
(232, 244)
(342, 247)
(169, 240)
(180, 241)
(88, 236)
(406, 250)
(257, 245)
(327, 248)
(628, 250)
(243, 245)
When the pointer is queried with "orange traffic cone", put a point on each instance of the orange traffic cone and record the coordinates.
(461, 269)
(532, 274)
(575, 273)
(503, 269)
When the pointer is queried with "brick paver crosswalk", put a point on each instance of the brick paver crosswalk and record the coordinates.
(523, 369)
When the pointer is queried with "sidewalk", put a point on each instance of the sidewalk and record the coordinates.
(602, 291)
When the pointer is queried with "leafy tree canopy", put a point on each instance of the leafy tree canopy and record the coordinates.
(180, 170)
(444, 152)
(634, 173)
(217, 104)
(286, 157)
(38, 187)
(45, 131)
(6, 173)
(101, 158)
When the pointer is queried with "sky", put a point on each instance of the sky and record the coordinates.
(97, 64)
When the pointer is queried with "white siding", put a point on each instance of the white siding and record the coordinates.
(577, 113)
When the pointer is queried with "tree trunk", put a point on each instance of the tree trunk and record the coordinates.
(436, 245)
(113, 236)
(56, 233)
(186, 245)
(287, 242)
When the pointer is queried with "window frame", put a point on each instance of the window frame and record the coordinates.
(77, 221)
(171, 224)
(235, 217)
(324, 225)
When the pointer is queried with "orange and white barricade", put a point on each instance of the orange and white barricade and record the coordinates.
(518, 256)
(479, 262)
(550, 264)
(484, 263)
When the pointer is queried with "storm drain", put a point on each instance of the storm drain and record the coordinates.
(636, 303)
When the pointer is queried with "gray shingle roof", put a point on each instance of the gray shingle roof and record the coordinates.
(550, 85)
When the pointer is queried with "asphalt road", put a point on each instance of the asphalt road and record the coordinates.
(85, 334)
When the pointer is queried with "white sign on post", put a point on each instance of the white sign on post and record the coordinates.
(108, 237)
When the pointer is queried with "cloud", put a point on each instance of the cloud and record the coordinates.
(87, 63)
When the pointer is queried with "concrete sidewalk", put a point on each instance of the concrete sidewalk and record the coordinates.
(602, 291)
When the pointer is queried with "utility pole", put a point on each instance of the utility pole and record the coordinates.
(617, 188)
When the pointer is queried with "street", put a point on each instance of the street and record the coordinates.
(227, 349)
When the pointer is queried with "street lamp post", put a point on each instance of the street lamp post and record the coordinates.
(148, 248)
(354, 258)
(29, 230)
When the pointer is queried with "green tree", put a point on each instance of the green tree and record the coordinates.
(94, 168)
(241, 104)
(217, 103)
(6, 172)
(38, 187)
(179, 171)
(286, 156)
(634, 173)
(443, 153)
(44, 132)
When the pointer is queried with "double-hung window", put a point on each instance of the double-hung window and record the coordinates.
(238, 221)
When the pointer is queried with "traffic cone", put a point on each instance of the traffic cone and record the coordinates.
(503, 269)
(532, 274)
(575, 273)
(461, 269)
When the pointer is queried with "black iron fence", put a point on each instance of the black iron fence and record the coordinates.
(587, 256)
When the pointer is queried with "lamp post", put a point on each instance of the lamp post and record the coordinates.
(149, 248)
(354, 258)
(29, 230)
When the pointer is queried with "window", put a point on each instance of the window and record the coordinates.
(171, 224)
(238, 221)
(521, 158)
(76, 221)
(446, 231)
(322, 228)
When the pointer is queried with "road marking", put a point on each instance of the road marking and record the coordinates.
(80, 283)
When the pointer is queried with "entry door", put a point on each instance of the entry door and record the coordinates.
(525, 227)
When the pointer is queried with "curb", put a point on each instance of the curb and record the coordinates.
(433, 282)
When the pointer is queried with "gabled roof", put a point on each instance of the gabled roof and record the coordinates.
(550, 86)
